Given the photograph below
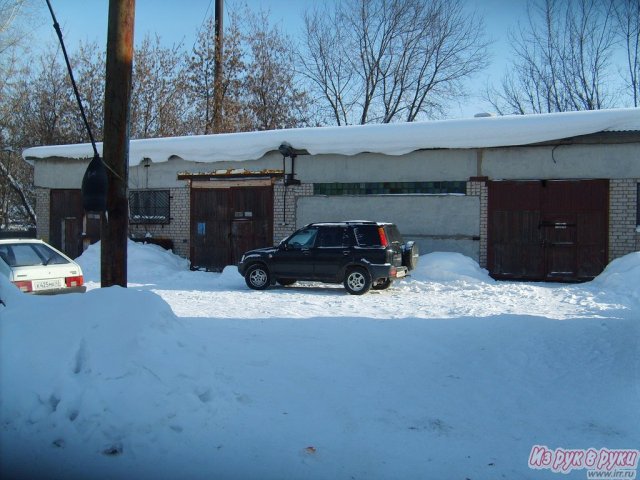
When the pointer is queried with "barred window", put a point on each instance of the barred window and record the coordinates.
(389, 188)
(149, 206)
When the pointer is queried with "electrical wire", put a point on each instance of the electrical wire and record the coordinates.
(56, 26)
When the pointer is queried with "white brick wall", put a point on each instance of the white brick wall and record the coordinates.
(284, 208)
(178, 227)
(43, 200)
(478, 188)
(623, 204)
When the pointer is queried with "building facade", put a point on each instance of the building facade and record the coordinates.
(550, 197)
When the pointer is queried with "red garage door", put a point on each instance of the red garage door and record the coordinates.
(548, 230)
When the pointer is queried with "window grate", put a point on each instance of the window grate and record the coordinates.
(149, 206)
(389, 188)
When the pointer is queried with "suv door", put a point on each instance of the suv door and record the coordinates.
(293, 259)
(333, 251)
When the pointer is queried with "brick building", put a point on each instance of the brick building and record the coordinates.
(539, 197)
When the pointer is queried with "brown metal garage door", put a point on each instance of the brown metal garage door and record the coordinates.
(226, 222)
(548, 230)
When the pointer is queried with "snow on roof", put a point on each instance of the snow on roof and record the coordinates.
(388, 139)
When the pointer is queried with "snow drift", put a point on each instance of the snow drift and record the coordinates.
(192, 375)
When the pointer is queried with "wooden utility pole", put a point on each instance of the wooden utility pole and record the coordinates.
(115, 222)
(217, 81)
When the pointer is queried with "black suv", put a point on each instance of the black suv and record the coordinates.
(360, 254)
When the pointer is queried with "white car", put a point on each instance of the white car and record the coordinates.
(36, 267)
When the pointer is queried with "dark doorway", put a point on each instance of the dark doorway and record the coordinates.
(550, 230)
(67, 223)
(226, 222)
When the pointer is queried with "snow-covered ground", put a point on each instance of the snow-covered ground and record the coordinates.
(446, 375)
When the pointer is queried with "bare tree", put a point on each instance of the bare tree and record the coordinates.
(201, 78)
(42, 109)
(16, 191)
(12, 31)
(270, 91)
(387, 60)
(89, 71)
(157, 100)
(628, 28)
(562, 59)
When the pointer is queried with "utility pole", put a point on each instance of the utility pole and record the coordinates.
(115, 222)
(217, 81)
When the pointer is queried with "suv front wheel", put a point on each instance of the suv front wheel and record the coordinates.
(357, 281)
(257, 277)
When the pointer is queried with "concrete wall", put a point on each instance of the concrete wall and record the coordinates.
(435, 222)
(68, 173)
(425, 165)
(562, 162)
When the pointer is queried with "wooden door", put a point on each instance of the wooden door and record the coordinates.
(548, 230)
(226, 222)
(65, 221)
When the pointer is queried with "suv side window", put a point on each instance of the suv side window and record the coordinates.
(303, 239)
(367, 235)
(334, 237)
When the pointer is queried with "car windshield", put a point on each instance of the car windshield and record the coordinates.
(29, 254)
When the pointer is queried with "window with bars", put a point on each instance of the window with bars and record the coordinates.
(389, 188)
(149, 206)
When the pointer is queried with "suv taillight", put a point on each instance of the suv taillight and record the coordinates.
(24, 285)
(383, 237)
(74, 281)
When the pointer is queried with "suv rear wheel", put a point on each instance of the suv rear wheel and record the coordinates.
(257, 277)
(357, 281)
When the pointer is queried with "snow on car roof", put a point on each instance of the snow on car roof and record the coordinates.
(388, 139)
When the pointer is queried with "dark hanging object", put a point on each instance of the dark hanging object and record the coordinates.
(94, 186)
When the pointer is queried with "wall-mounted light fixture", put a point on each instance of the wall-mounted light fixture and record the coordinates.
(286, 150)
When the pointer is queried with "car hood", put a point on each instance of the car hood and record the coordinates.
(260, 252)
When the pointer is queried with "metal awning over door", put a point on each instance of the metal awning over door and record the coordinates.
(550, 230)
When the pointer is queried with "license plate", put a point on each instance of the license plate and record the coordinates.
(400, 273)
(48, 284)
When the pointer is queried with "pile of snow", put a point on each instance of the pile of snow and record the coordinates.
(193, 375)
(151, 265)
(388, 139)
(621, 275)
(146, 263)
(448, 267)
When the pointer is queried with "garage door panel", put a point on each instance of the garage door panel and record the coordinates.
(559, 233)
(226, 222)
